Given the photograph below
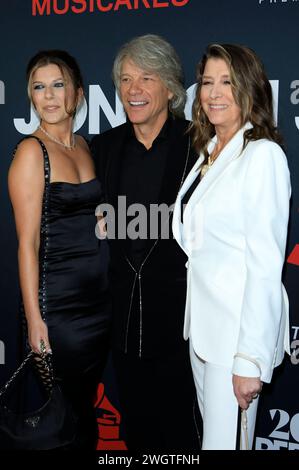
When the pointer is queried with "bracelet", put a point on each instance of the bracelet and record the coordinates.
(250, 359)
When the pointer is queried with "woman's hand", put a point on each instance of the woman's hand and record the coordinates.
(101, 227)
(37, 336)
(246, 389)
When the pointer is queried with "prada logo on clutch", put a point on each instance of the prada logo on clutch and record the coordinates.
(33, 422)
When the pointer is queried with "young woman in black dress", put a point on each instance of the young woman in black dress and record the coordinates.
(62, 265)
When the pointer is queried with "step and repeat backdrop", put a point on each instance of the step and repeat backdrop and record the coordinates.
(92, 31)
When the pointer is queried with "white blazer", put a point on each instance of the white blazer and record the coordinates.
(234, 234)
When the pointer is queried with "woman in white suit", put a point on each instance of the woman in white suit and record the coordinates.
(231, 218)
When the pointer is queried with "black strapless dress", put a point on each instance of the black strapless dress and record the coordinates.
(73, 293)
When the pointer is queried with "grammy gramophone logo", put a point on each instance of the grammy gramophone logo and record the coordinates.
(293, 258)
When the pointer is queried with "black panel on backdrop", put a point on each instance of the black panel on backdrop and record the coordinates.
(92, 32)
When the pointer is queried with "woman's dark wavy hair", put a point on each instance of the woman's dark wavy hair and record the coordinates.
(251, 90)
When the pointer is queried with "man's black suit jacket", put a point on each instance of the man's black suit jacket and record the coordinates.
(160, 284)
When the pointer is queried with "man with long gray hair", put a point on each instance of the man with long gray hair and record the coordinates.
(145, 161)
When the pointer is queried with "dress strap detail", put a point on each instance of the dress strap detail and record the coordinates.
(44, 229)
(47, 168)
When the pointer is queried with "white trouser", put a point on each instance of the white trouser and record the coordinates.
(218, 406)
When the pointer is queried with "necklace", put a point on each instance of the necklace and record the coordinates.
(68, 147)
(205, 168)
